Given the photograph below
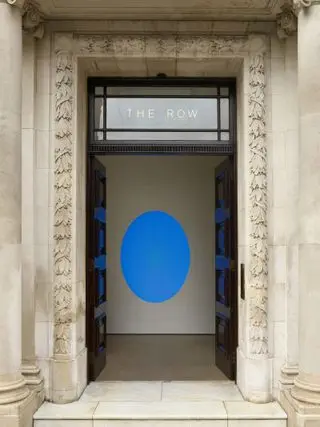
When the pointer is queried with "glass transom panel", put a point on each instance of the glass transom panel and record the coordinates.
(163, 113)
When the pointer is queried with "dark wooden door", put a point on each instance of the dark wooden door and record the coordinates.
(96, 326)
(225, 265)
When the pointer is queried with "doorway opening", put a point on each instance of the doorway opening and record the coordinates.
(161, 231)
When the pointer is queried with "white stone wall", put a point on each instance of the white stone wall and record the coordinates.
(182, 186)
(28, 197)
(283, 184)
(282, 134)
(277, 210)
(44, 193)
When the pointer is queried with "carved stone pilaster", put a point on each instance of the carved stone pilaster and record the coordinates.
(286, 22)
(63, 201)
(258, 212)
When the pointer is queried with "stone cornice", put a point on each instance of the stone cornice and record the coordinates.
(286, 22)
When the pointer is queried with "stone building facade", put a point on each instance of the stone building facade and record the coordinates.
(48, 50)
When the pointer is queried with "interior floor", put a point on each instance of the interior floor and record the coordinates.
(161, 358)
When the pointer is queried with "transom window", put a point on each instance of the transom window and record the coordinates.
(155, 112)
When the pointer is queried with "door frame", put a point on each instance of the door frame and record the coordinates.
(234, 321)
(90, 300)
(137, 149)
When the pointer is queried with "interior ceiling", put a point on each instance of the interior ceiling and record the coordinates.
(160, 10)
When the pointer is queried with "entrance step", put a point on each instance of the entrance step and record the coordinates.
(161, 414)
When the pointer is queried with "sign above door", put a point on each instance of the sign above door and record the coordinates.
(159, 112)
(162, 113)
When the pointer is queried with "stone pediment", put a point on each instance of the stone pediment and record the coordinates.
(166, 9)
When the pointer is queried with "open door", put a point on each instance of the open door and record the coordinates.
(96, 320)
(225, 265)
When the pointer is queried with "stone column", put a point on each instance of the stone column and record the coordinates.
(33, 29)
(12, 384)
(287, 29)
(303, 402)
(290, 368)
(29, 367)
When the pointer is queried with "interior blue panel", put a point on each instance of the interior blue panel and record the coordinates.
(100, 214)
(222, 214)
(100, 262)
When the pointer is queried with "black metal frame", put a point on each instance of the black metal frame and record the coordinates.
(219, 147)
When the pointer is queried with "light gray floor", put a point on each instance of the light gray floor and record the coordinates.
(160, 358)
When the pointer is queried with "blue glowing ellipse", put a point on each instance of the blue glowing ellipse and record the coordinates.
(155, 257)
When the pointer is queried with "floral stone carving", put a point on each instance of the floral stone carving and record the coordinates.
(258, 197)
(168, 46)
(63, 204)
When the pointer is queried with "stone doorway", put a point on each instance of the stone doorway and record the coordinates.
(78, 56)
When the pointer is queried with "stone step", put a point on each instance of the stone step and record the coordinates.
(161, 414)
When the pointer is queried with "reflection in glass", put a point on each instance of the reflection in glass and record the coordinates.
(98, 90)
(224, 91)
(225, 136)
(98, 136)
(98, 113)
(224, 113)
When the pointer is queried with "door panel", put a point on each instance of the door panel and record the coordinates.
(226, 286)
(96, 326)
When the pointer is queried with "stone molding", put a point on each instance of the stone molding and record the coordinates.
(164, 46)
(32, 375)
(286, 22)
(68, 48)
(187, 28)
(62, 292)
(258, 210)
(306, 388)
(288, 374)
(13, 390)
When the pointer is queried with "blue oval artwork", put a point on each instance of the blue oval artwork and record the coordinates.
(155, 256)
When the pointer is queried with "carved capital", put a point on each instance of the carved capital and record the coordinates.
(32, 20)
(18, 3)
(286, 22)
(299, 5)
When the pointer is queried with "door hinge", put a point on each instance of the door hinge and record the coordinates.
(91, 265)
(233, 358)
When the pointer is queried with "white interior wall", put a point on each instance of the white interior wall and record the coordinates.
(182, 186)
